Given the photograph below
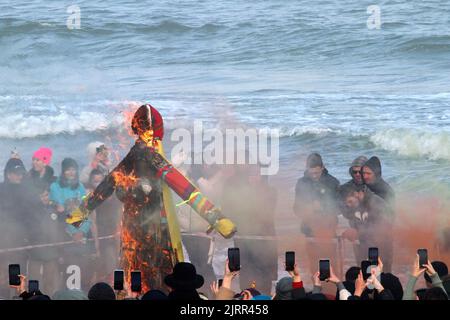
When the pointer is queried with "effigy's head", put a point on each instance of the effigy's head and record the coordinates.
(147, 123)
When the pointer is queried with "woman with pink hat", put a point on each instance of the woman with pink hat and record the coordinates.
(41, 174)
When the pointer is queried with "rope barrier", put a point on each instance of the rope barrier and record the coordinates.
(56, 244)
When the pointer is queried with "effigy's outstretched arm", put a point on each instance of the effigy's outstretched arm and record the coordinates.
(192, 196)
(103, 191)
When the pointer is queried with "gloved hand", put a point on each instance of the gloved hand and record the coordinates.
(222, 225)
(225, 227)
(77, 217)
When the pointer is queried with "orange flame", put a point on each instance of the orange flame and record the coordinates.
(147, 137)
(123, 180)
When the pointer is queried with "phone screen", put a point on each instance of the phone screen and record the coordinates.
(136, 281)
(118, 280)
(373, 255)
(234, 259)
(423, 257)
(290, 260)
(324, 269)
(365, 264)
(14, 272)
(33, 286)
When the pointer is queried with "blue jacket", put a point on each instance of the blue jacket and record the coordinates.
(60, 195)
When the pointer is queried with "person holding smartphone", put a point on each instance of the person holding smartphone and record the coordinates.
(17, 220)
(251, 201)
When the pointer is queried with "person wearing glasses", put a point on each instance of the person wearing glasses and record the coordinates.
(355, 171)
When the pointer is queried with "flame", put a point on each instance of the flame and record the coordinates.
(133, 239)
(130, 257)
(123, 180)
(147, 137)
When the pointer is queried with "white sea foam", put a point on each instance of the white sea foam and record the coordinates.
(304, 130)
(434, 145)
(17, 126)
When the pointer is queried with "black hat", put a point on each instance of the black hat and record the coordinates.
(101, 291)
(15, 165)
(184, 277)
(68, 163)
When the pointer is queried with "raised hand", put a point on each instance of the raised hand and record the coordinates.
(295, 274)
(316, 279)
(214, 288)
(429, 268)
(416, 270)
(333, 278)
(360, 285)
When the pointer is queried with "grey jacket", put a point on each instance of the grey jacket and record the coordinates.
(409, 291)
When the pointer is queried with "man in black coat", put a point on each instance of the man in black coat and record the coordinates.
(373, 179)
(316, 204)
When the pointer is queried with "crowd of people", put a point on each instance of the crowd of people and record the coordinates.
(34, 205)
(184, 284)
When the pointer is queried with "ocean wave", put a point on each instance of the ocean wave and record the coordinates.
(298, 131)
(18, 126)
(428, 44)
(414, 143)
(16, 27)
(165, 26)
(433, 145)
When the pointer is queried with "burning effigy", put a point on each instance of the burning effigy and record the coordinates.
(150, 236)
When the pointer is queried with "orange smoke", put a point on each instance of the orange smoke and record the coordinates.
(418, 224)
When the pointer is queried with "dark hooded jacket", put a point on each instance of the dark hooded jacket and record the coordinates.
(380, 187)
(325, 191)
(372, 211)
(18, 206)
(41, 183)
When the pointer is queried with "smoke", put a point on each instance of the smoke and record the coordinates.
(421, 221)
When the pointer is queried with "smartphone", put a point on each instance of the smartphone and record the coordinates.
(290, 260)
(373, 256)
(220, 282)
(423, 257)
(33, 286)
(118, 279)
(365, 264)
(234, 259)
(14, 272)
(136, 285)
(324, 269)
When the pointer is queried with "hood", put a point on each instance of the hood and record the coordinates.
(357, 162)
(284, 289)
(374, 164)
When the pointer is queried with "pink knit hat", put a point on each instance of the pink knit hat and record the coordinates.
(44, 154)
